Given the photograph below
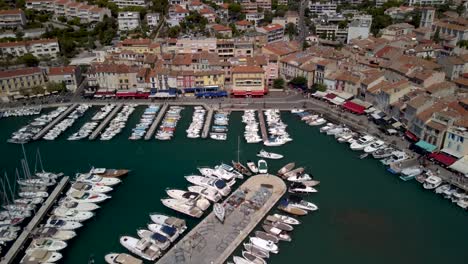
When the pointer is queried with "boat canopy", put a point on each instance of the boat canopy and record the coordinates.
(168, 230)
(426, 146)
(442, 158)
(461, 165)
(220, 184)
(159, 237)
(173, 221)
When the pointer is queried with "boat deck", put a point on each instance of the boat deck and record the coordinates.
(157, 120)
(54, 122)
(261, 119)
(212, 241)
(11, 255)
(207, 125)
(106, 121)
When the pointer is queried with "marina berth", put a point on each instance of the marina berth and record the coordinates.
(298, 187)
(148, 117)
(252, 127)
(118, 123)
(219, 128)
(169, 123)
(276, 129)
(24, 111)
(383, 153)
(121, 258)
(410, 173)
(296, 201)
(266, 236)
(66, 123)
(294, 172)
(141, 247)
(241, 168)
(198, 121)
(286, 207)
(397, 156)
(169, 221)
(300, 178)
(273, 221)
(286, 168)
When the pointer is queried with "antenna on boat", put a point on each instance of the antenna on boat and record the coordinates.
(9, 187)
(238, 148)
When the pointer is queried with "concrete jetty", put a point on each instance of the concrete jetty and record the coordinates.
(152, 129)
(54, 122)
(207, 125)
(212, 241)
(261, 119)
(23, 237)
(105, 122)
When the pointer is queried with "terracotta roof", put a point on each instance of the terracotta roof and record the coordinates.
(419, 100)
(62, 70)
(206, 11)
(180, 9)
(372, 78)
(112, 68)
(247, 69)
(281, 48)
(244, 23)
(136, 42)
(451, 26)
(11, 12)
(218, 27)
(272, 27)
(19, 72)
(439, 87)
(436, 125)
(461, 81)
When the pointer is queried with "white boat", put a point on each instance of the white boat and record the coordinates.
(362, 142)
(240, 260)
(207, 192)
(71, 204)
(302, 204)
(317, 122)
(256, 250)
(37, 182)
(281, 234)
(33, 194)
(156, 238)
(287, 219)
(82, 186)
(300, 178)
(262, 166)
(269, 155)
(182, 207)
(98, 180)
(383, 153)
(170, 221)
(55, 233)
(297, 187)
(121, 258)
(62, 224)
(274, 142)
(410, 173)
(266, 236)
(143, 247)
(219, 185)
(297, 110)
(374, 146)
(252, 167)
(219, 211)
(252, 258)
(87, 197)
(41, 256)
(327, 127)
(29, 200)
(189, 197)
(169, 232)
(264, 244)
(396, 156)
(432, 182)
(72, 214)
(8, 235)
(48, 244)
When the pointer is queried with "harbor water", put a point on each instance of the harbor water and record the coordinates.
(366, 214)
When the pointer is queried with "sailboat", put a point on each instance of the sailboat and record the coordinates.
(237, 165)
(219, 211)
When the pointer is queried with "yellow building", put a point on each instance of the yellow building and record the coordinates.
(209, 78)
(12, 81)
(248, 81)
(139, 46)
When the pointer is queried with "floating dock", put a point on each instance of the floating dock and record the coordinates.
(152, 129)
(261, 119)
(54, 122)
(213, 242)
(11, 255)
(105, 122)
(207, 125)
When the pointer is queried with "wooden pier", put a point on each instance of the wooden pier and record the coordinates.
(105, 122)
(152, 129)
(17, 247)
(54, 122)
(261, 119)
(207, 125)
(213, 242)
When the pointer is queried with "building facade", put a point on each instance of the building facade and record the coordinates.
(38, 48)
(12, 18)
(13, 81)
(128, 20)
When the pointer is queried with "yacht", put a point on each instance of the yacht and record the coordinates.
(298, 202)
(264, 244)
(98, 180)
(274, 142)
(143, 247)
(72, 214)
(317, 122)
(87, 197)
(281, 234)
(219, 185)
(266, 236)
(383, 153)
(273, 221)
(189, 197)
(345, 137)
(311, 183)
(121, 258)
(169, 232)
(410, 173)
(41, 256)
(207, 192)
(269, 155)
(284, 206)
(432, 182)
(295, 172)
(53, 222)
(55, 233)
(170, 221)
(48, 244)
(297, 187)
(396, 156)
(37, 182)
(252, 167)
(182, 207)
(256, 250)
(82, 186)
(300, 178)
(286, 168)
(362, 142)
(156, 238)
(33, 195)
(287, 219)
(219, 211)
(374, 146)
(71, 204)
(262, 166)
(29, 200)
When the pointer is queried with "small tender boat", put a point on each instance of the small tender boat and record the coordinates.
(156, 238)
(286, 168)
(143, 247)
(269, 155)
(240, 260)
(121, 258)
(219, 211)
(252, 167)
(241, 168)
(256, 250)
(262, 166)
(264, 244)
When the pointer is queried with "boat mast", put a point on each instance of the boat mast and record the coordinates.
(9, 186)
(40, 159)
(26, 161)
(238, 148)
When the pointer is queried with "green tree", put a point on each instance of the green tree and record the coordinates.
(62, 19)
(305, 45)
(319, 87)
(278, 83)
(235, 10)
(463, 44)
(173, 32)
(37, 90)
(299, 81)
(436, 36)
(54, 86)
(29, 59)
(290, 30)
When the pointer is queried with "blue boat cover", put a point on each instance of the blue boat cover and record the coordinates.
(169, 230)
(220, 184)
(159, 237)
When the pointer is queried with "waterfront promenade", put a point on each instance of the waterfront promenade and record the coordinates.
(213, 242)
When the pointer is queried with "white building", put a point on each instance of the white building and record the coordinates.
(152, 19)
(69, 75)
(176, 14)
(359, 27)
(40, 47)
(127, 3)
(12, 18)
(274, 32)
(254, 17)
(128, 20)
(319, 8)
(70, 9)
(426, 2)
(456, 141)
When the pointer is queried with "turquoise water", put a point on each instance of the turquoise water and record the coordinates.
(366, 215)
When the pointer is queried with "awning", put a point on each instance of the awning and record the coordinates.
(344, 95)
(370, 110)
(452, 152)
(461, 165)
(337, 100)
(319, 94)
(442, 158)
(411, 136)
(363, 103)
(353, 107)
(378, 115)
(426, 146)
(239, 93)
(330, 96)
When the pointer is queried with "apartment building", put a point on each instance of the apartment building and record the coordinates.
(359, 28)
(331, 32)
(127, 3)
(152, 19)
(13, 81)
(426, 2)
(274, 32)
(319, 8)
(128, 20)
(454, 30)
(248, 81)
(176, 14)
(113, 76)
(69, 75)
(39, 48)
(12, 18)
(456, 141)
(70, 9)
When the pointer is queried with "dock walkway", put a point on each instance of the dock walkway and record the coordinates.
(207, 125)
(213, 242)
(156, 122)
(261, 119)
(23, 237)
(105, 122)
(54, 122)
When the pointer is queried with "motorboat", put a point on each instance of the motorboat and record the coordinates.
(432, 182)
(280, 234)
(121, 258)
(72, 214)
(287, 219)
(297, 187)
(169, 232)
(256, 250)
(269, 155)
(49, 175)
(41, 256)
(87, 197)
(295, 172)
(240, 260)
(383, 153)
(374, 146)
(443, 188)
(207, 192)
(182, 207)
(252, 167)
(110, 173)
(266, 236)
(262, 166)
(219, 211)
(82, 186)
(300, 178)
(273, 221)
(410, 173)
(397, 156)
(48, 244)
(8, 235)
(286, 168)
(362, 142)
(143, 247)
(311, 183)
(37, 182)
(327, 127)
(71, 204)
(298, 202)
(252, 258)
(317, 122)
(29, 200)
(170, 221)
(264, 244)
(62, 224)
(284, 206)
(297, 110)
(241, 168)
(33, 194)
(55, 233)
(219, 185)
(98, 180)
(274, 142)
(189, 197)
(156, 238)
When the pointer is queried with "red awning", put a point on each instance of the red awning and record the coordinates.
(330, 96)
(239, 93)
(443, 158)
(257, 92)
(355, 108)
(411, 136)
